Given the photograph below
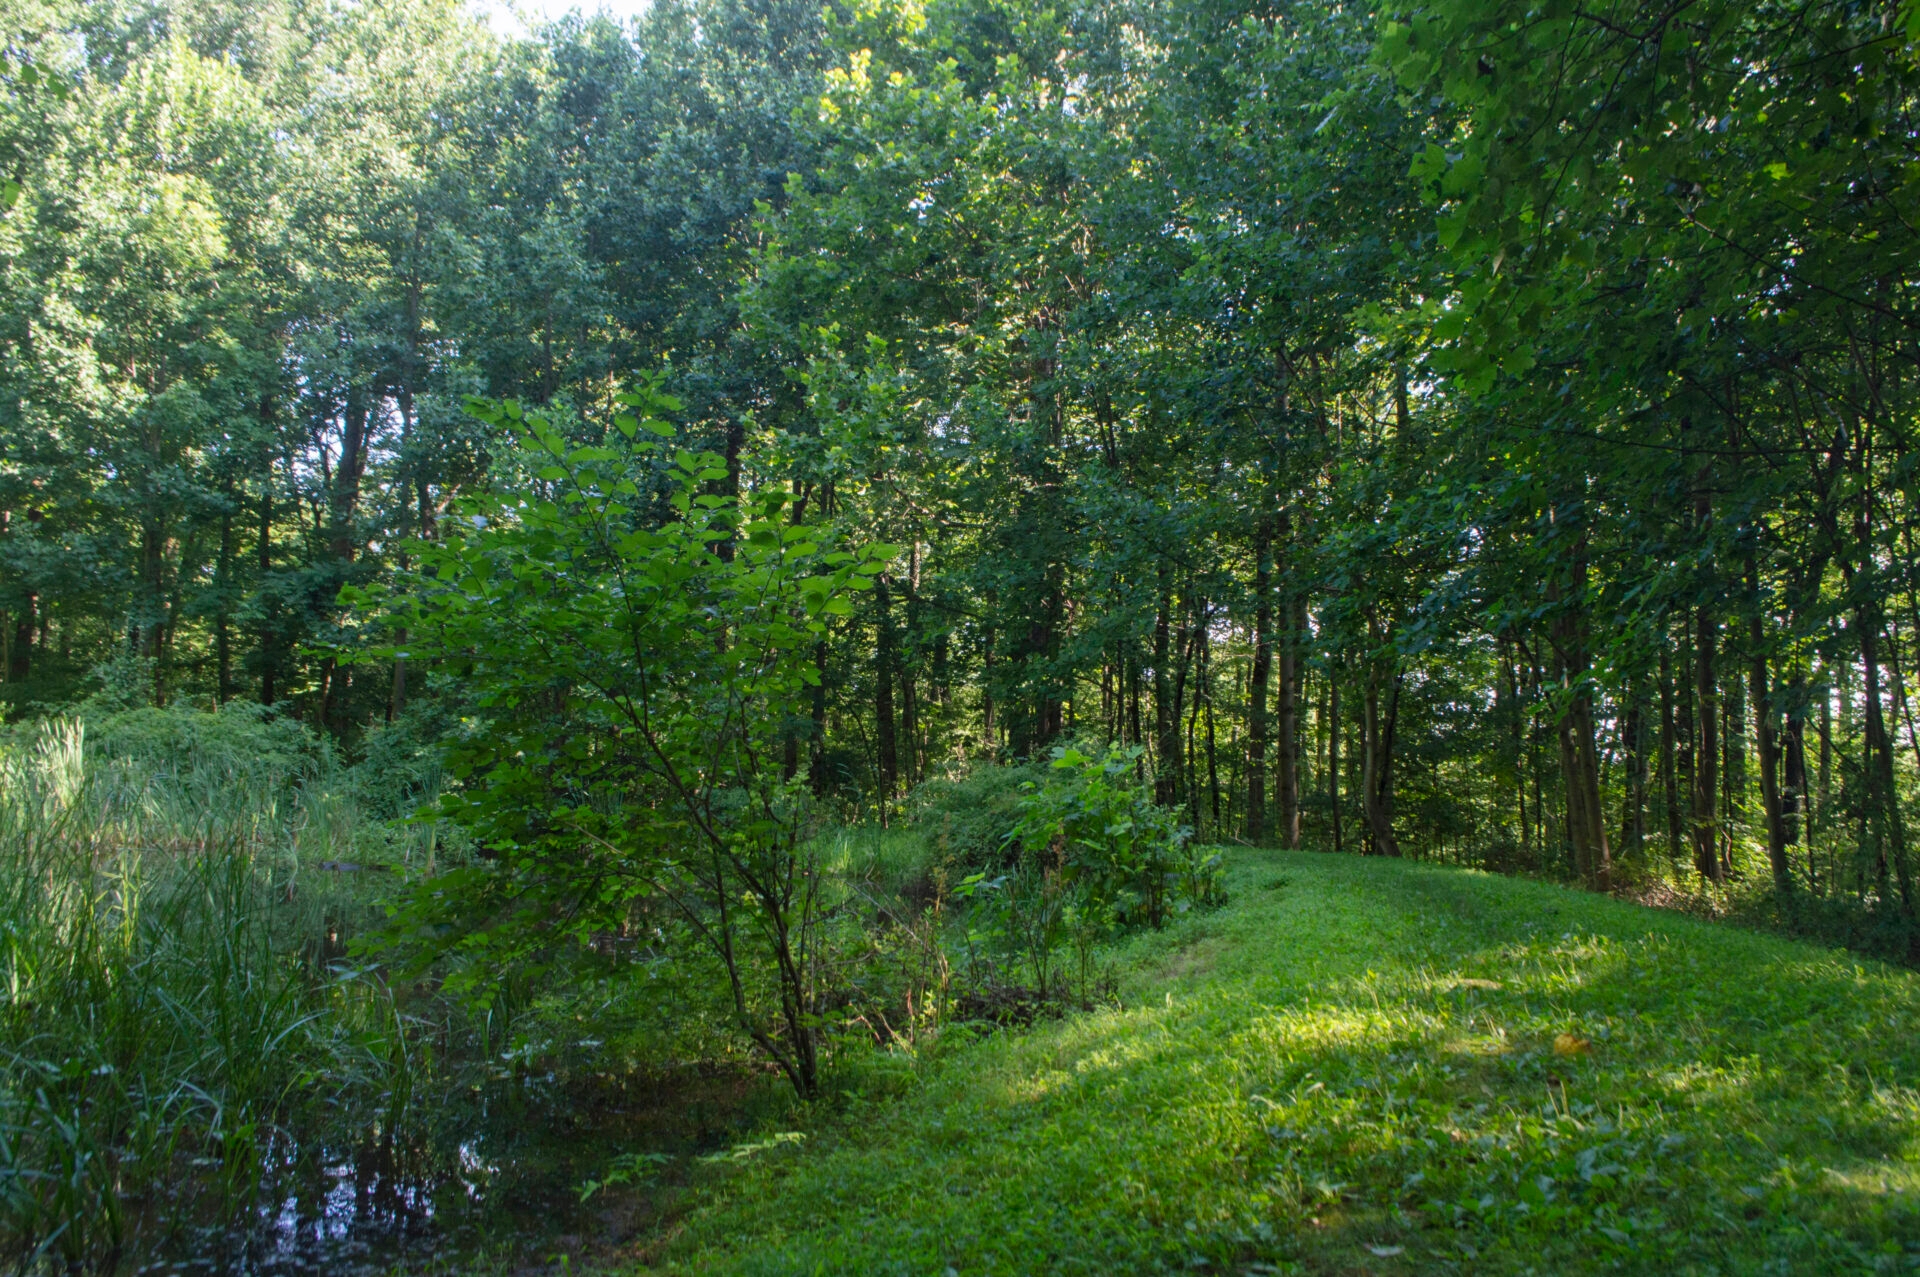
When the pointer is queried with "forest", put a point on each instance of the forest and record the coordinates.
(608, 633)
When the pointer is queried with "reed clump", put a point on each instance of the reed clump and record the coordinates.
(179, 1021)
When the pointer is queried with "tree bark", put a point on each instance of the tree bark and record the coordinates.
(1760, 693)
(1579, 761)
(1669, 777)
(1705, 826)
(1256, 819)
(888, 760)
(1333, 754)
(1376, 782)
(1289, 741)
(1884, 818)
(347, 476)
(817, 743)
(267, 609)
(1166, 721)
(1633, 819)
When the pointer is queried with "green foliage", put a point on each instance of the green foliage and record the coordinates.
(1093, 824)
(970, 814)
(1093, 854)
(632, 638)
(626, 1170)
(242, 737)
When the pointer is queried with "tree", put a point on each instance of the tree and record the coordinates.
(635, 642)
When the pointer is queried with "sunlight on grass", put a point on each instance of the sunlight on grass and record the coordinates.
(1385, 1066)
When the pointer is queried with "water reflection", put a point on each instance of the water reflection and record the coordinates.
(502, 1181)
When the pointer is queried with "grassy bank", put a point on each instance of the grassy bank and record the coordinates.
(1371, 1067)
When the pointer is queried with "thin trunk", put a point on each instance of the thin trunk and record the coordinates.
(1166, 722)
(1633, 817)
(1213, 766)
(1706, 751)
(20, 651)
(1883, 795)
(1759, 692)
(1256, 817)
(152, 572)
(817, 742)
(1793, 796)
(397, 698)
(1333, 753)
(223, 610)
(265, 550)
(888, 761)
(1376, 781)
(346, 478)
(1823, 782)
(1288, 744)
(1579, 761)
(1669, 778)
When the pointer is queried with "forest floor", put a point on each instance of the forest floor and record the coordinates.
(1362, 1066)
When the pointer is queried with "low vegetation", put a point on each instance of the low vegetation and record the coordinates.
(1367, 1066)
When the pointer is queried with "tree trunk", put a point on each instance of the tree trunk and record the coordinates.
(347, 476)
(1706, 750)
(222, 617)
(1289, 742)
(1257, 685)
(397, 696)
(1823, 797)
(20, 651)
(888, 761)
(1669, 754)
(1213, 767)
(1579, 762)
(1333, 754)
(1633, 817)
(1793, 796)
(1376, 782)
(1166, 722)
(1760, 693)
(1884, 818)
(817, 744)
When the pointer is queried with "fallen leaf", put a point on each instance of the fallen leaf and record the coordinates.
(1568, 1044)
(1388, 1252)
(1477, 984)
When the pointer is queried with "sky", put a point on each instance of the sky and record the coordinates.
(516, 17)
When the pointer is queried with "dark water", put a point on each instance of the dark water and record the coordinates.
(506, 1190)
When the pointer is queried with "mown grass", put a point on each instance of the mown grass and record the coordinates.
(1362, 1066)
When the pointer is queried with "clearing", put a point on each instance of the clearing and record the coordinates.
(1367, 1066)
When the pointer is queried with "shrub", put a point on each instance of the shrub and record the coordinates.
(968, 816)
(1096, 823)
(1092, 852)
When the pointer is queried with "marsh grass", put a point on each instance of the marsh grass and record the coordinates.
(175, 1017)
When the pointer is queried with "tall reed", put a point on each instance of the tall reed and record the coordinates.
(175, 1017)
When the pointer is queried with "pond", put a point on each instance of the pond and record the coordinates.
(499, 1189)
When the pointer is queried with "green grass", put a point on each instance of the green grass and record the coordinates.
(1351, 1068)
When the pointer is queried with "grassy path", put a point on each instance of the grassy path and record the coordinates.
(1369, 1067)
